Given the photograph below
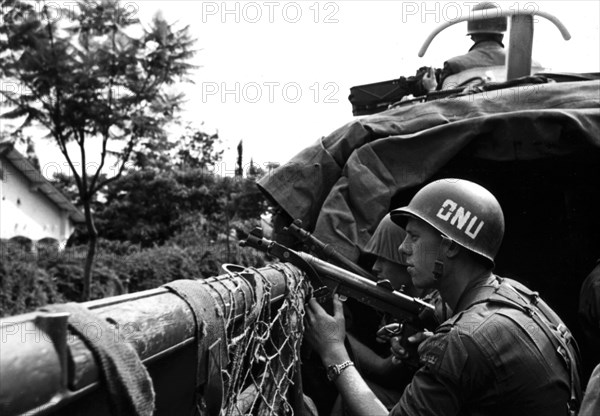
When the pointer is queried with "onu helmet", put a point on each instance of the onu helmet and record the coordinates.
(493, 25)
(461, 210)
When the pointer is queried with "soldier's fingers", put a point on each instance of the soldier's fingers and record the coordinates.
(338, 306)
(400, 353)
(309, 316)
(419, 337)
(396, 349)
(317, 310)
(312, 308)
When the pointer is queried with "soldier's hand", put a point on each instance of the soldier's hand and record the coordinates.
(428, 82)
(324, 332)
(399, 353)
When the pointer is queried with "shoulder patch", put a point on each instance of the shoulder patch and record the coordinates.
(432, 350)
(444, 353)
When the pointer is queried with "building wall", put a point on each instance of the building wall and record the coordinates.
(27, 212)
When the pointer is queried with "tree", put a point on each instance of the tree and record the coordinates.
(85, 74)
(196, 149)
(150, 206)
(193, 149)
(142, 207)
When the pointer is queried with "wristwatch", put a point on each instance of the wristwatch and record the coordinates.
(334, 370)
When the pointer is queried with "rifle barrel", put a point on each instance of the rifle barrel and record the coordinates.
(326, 251)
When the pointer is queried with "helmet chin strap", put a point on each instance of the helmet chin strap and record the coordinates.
(438, 268)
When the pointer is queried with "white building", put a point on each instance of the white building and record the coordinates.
(31, 209)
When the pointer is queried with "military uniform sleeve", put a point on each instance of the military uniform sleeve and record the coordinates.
(589, 305)
(453, 371)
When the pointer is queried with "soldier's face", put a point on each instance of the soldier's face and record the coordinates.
(395, 273)
(420, 249)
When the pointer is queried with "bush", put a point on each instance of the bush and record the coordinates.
(66, 269)
(197, 250)
(210, 249)
(23, 285)
(153, 267)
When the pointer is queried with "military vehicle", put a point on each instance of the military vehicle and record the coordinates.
(231, 344)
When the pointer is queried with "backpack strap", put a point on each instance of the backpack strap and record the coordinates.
(559, 335)
(512, 294)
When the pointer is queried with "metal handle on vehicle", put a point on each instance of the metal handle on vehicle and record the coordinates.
(518, 60)
(484, 14)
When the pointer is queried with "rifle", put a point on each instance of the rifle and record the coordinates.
(325, 251)
(327, 279)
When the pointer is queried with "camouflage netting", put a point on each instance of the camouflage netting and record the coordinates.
(263, 346)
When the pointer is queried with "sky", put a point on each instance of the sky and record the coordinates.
(277, 74)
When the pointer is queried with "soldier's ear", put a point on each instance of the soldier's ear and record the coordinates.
(453, 250)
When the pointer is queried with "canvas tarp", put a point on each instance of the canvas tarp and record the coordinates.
(341, 186)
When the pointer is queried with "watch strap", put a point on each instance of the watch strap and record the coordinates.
(334, 370)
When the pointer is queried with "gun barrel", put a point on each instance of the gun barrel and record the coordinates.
(326, 251)
(367, 291)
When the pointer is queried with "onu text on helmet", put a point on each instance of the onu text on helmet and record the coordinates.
(460, 218)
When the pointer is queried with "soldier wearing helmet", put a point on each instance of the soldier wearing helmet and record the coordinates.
(487, 49)
(503, 352)
(389, 264)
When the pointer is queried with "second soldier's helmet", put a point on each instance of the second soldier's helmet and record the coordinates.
(463, 211)
(385, 241)
(493, 25)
